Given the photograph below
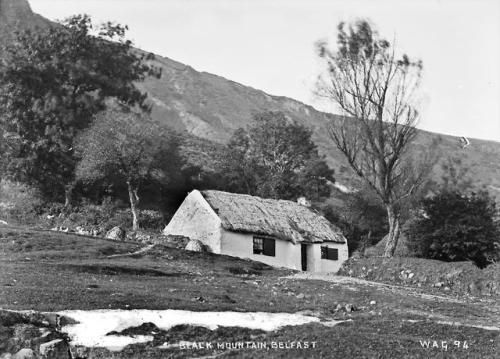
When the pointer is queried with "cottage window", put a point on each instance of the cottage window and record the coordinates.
(329, 253)
(264, 246)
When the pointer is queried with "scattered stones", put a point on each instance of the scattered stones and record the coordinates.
(116, 233)
(81, 231)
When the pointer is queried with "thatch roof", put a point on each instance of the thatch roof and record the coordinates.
(276, 218)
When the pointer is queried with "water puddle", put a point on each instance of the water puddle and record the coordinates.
(93, 325)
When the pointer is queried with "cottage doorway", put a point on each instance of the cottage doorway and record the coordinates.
(303, 254)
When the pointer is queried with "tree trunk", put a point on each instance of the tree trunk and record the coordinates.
(394, 231)
(134, 201)
(68, 194)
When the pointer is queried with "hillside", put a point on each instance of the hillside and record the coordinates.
(173, 295)
(212, 107)
(17, 14)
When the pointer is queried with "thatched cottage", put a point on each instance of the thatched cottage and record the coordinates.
(276, 232)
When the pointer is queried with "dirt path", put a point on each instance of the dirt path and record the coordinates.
(383, 286)
(489, 322)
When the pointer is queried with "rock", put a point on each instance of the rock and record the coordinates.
(338, 307)
(3, 223)
(438, 284)
(142, 237)
(447, 289)
(474, 288)
(25, 333)
(195, 246)
(116, 233)
(411, 275)
(24, 354)
(300, 296)
(82, 231)
(55, 349)
(373, 302)
(350, 308)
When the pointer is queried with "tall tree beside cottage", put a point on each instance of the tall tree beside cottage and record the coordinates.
(376, 91)
(131, 147)
(52, 81)
(275, 158)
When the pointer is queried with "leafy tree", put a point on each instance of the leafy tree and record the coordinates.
(130, 147)
(275, 158)
(52, 81)
(361, 216)
(375, 90)
(455, 227)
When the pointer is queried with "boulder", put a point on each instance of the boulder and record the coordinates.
(25, 353)
(24, 334)
(195, 246)
(55, 349)
(116, 233)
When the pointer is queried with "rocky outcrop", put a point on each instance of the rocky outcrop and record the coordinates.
(32, 335)
(116, 234)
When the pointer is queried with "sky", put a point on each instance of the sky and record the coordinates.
(269, 45)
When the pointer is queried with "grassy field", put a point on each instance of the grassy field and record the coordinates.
(49, 271)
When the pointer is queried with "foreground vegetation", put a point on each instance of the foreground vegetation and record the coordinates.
(49, 271)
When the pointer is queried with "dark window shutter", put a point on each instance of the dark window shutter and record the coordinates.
(269, 247)
(329, 253)
(333, 254)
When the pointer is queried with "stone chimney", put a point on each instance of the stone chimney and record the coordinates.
(303, 201)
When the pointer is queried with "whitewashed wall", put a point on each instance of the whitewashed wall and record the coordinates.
(316, 264)
(241, 245)
(196, 219)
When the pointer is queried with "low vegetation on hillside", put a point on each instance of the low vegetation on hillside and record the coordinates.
(49, 271)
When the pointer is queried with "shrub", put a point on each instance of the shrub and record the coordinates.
(361, 217)
(151, 220)
(456, 227)
(19, 203)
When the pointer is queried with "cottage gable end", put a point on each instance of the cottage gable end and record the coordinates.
(196, 219)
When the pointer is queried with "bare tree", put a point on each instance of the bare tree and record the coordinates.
(376, 92)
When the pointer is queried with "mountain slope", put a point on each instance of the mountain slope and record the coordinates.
(212, 107)
(17, 14)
